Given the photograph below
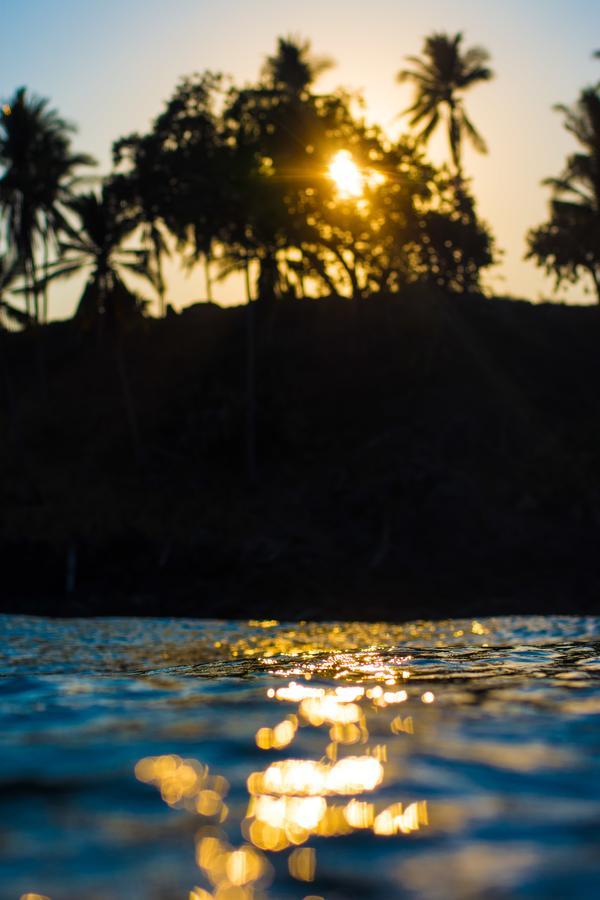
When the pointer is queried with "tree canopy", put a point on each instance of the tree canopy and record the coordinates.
(251, 177)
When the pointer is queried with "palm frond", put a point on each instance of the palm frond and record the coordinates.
(426, 133)
(14, 314)
(474, 136)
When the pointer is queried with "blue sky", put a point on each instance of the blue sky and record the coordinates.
(108, 66)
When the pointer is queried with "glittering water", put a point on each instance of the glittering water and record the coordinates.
(188, 759)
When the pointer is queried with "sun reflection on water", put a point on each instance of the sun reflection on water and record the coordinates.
(331, 736)
(294, 801)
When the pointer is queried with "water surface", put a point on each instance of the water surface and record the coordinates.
(173, 759)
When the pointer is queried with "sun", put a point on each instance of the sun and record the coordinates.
(347, 176)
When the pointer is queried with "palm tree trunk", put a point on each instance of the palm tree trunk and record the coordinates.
(596, 279)
(27, 291)
(250, 380)
(160, 282)
(38, 336)
(454, 140)
(35, 290)
(122, 372)
(207, 274)
(45, 299)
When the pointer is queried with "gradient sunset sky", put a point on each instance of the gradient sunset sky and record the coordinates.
(108, 66)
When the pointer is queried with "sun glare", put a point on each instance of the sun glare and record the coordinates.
(346, 175)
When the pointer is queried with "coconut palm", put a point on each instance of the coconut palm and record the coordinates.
(292, 67)
(569, 243)
(138, 202)
(37, 179)
(581, 179)
(96, 245)
(440, 77)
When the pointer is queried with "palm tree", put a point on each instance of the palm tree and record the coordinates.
(292, 67)
(95, 245)
(569, 243)
(440, 77)
(581, 178)
(37, 179)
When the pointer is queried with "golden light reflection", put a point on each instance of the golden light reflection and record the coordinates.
(395, 820)
(359, 814)
(399, 725)
(347, 734)
(295, 692)
(233, 871)
(279, 737)
(318, 710)
(292, 801)
(302, 864)
(302, 812)
(185, 782)
(309, 778)
(342, 651)
(199, 893)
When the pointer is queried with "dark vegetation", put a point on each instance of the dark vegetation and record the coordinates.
(417, 455)
(368, 437)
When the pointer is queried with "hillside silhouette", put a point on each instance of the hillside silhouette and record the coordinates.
(417, 455)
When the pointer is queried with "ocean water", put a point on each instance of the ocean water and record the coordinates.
(194, 759)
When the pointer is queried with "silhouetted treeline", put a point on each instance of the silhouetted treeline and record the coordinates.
(244, 179)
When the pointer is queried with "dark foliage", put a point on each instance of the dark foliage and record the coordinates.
(419, 455)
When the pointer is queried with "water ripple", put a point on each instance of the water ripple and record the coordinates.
(335, 760)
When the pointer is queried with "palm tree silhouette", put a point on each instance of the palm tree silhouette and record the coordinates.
(293, 68)
(96, 245)
(581, 178)
(37, 182)
(440, 76)
(570, 240)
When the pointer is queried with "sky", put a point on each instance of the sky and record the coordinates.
(109, 65)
